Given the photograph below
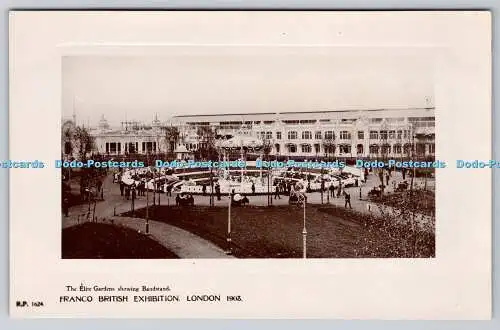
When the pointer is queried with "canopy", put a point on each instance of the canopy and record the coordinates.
(245, 142)
(425, 131)
(181, 150)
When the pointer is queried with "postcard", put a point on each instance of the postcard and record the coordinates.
(260, 164)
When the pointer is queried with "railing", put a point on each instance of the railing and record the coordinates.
(224, 190)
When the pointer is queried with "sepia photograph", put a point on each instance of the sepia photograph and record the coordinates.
(261, 164)
(248, 156)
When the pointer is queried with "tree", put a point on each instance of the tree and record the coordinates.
(68, 141)
(402, 227)
(207, 147)
(406, 218)
(207, 151)
(172, 136)
(84, 144)
(67, 148)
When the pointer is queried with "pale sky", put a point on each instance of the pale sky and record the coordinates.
(135, 88)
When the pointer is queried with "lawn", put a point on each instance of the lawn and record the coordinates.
(276, 232)
(106, 241)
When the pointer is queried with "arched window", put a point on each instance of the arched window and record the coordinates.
(306, 148)
(277, 147)
(329, 148)
(345, 149)
(386, 148)
(292, 148)
(407, 148)
(359, 148)
(374, 149)
(420, 148)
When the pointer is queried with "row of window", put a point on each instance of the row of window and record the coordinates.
(343, 135)
(313, 121)
(131, 147)
(373, 149)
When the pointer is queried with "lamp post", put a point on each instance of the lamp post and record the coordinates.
(242, 159)
(304, 232)
(160, 185)
(412, 156)
(322, 184)
(229, 246)
(328, 193)
(269, 195)
(133, 199)
(147, 209)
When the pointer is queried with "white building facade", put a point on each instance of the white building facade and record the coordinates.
(348, 133)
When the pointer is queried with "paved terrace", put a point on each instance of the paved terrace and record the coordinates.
(188, 245)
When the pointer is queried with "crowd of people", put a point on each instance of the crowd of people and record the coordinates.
(282, 186)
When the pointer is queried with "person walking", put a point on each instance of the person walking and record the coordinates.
(122, 188)
(204, 189)
(138, 189)
(253, 188)
(277, 191)
(217, 191)
(65, 206)
(99, 185)
(169, 190)
(347, 197)
(143, 188)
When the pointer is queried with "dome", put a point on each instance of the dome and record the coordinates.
(103, 123)
(156, 122)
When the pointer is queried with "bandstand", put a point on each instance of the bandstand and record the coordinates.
(243, 143)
